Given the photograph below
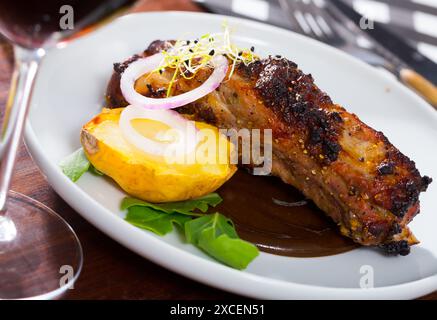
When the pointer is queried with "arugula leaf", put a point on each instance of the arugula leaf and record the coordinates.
(183, 207)
(155, 221)
(75, 165)
(216, 235)
(196, 226)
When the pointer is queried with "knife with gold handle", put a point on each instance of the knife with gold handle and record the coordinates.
(421, 85)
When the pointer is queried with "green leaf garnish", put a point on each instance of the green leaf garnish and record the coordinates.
(184, 207)
(155, 221)
(216, 235)
(75, 165)
(213, 233)
(95, 171)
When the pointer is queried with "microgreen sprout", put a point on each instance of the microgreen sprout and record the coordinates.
(187, 57)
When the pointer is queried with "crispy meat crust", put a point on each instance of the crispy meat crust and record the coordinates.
(294, 98)
(349, 170)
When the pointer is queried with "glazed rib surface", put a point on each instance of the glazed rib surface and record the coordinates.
(350, 171)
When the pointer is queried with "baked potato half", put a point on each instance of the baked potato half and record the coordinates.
(151, 177)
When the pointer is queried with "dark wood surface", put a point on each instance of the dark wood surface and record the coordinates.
(110, 271)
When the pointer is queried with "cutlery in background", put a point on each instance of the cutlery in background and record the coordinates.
(275, 15)
(314, 21)
(325, 22)
(419, 72)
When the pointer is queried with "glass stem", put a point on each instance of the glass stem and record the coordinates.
(26, 67)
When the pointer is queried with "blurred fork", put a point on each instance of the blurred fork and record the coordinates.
(328, 26)
(314, 21)
(311, 19)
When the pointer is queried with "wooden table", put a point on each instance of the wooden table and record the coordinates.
(110, 271)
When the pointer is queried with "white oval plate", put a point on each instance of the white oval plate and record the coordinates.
(70, 90)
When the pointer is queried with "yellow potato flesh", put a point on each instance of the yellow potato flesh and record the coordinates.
(149, 128)
(151, 177)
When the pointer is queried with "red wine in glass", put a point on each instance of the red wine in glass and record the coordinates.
(30, 23)
(40, 255)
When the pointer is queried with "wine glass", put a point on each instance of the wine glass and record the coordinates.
(40, 255)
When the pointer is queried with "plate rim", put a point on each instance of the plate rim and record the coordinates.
(228, 279)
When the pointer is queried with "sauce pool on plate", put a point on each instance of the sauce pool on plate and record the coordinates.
(272, 215)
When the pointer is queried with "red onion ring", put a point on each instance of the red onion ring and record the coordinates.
(146, 65)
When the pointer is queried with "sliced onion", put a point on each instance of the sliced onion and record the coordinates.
(145, 65)
(187, 137)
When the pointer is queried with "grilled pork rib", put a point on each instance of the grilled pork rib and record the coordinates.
(350, 171)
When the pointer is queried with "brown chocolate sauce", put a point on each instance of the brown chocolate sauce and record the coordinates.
(297, 231)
